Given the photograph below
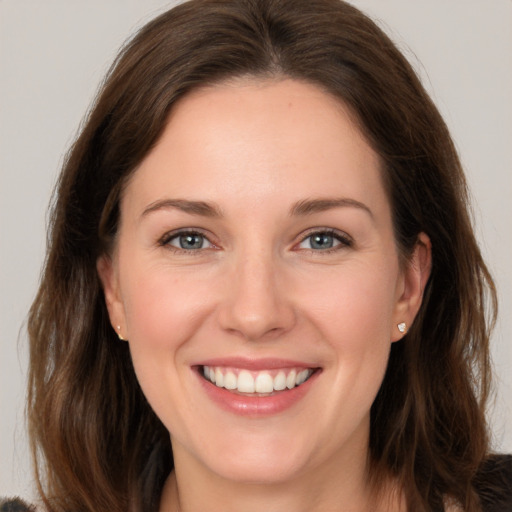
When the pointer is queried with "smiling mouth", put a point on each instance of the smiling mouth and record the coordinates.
(256, 383)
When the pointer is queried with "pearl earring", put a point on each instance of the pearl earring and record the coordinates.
(119, 335)
(402, 327)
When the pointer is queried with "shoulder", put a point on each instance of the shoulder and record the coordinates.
(494, 484)
(15, 505)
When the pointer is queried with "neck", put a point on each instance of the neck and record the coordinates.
(315, 492)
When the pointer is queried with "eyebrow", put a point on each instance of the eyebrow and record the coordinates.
(311, 206)
(201, 208)
(301, 208)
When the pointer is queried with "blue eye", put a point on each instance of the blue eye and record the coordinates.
(324, 240)
(189, 241)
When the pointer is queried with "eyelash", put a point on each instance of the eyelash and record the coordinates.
(165, 241)
(344, 241)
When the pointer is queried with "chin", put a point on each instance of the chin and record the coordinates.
(262, 471)
(257, 459)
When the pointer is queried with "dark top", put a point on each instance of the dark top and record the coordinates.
(15, 505)
(493, 484)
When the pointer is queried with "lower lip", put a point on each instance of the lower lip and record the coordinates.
(256, 406)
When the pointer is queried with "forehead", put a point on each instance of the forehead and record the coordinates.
(253, 138)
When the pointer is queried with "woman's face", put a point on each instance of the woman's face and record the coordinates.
(256, 247)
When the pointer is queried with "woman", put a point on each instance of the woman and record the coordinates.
(267, 209)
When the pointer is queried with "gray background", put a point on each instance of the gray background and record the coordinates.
(53, 54)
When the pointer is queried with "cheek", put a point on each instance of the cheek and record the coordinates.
(164, 309)
(354, 305)
(358, 328)
(353, 311)
(163, 306)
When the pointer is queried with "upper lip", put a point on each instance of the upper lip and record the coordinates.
(267, 363)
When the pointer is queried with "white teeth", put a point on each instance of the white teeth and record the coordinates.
(245, 382)
(280, 381)
(255, 382)
(230, 381)
(290, 380)
(219, 378)
(301, 377)
(264, 383)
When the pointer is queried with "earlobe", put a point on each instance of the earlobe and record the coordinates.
(415, 277)
(109, 280)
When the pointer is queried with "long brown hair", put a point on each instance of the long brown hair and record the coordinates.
(97, 445)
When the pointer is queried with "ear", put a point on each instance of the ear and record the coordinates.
(414, 280)
(108, 275)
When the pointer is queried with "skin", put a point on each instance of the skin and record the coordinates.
(256, 288)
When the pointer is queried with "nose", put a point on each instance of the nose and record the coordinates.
(256, 303)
